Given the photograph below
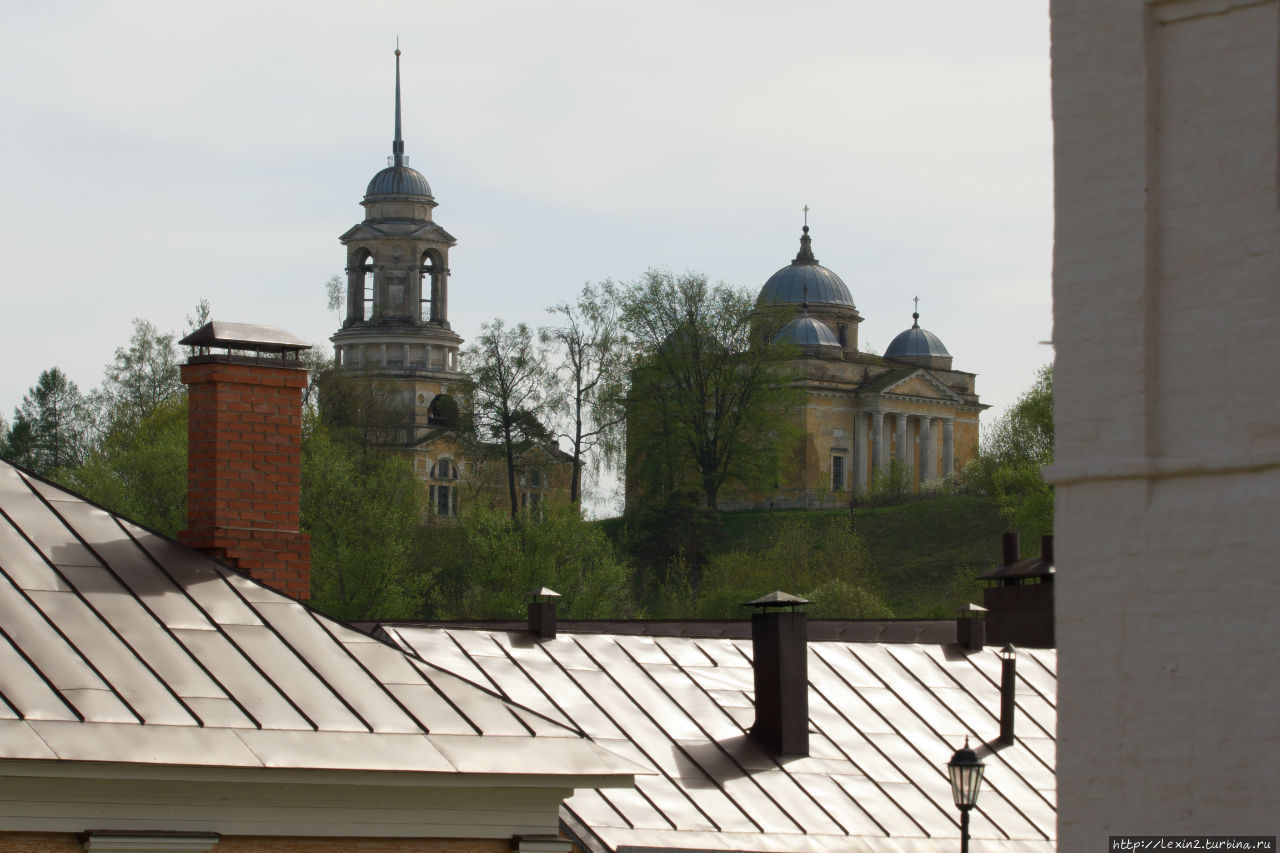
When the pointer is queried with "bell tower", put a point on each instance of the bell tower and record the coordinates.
(396, 331)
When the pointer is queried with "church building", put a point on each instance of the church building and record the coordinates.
(908, 414)
(404, 357)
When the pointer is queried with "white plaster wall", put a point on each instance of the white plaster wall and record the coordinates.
(1167, 330)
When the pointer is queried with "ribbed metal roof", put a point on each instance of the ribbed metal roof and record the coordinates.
(916, 342)
(120, 645)
(883, 721)
(805, 280)
(399, 180)
(807, 332)
(219, 333)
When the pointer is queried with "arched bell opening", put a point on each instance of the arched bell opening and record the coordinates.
(360, 295)
(443, 412)
(431, 292)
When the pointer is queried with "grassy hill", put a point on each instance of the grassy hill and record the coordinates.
(923, 554)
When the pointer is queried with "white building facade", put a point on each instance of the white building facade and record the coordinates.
(1167, 474)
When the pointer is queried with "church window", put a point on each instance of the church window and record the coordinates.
(844, 335)
(443, 499)
(445, 469)
(837, 473)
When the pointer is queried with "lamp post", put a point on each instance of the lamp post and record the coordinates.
(965, 771)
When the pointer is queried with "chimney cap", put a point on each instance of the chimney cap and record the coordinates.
(262, 339)
(543, 593)
(778, 598)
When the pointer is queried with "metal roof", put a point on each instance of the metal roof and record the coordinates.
(399, 180)
(118, 644)
(916, 342)
(1033, 567)
(799, 282)
(805, 280)
(807, 332)
(884, 720)
(219, 333)
(846, 630)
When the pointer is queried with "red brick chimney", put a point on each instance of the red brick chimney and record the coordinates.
(244, 452)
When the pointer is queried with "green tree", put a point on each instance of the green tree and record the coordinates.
(52, 428)
(141, 377)
(363, 509)
(1014, 453)
(711, 397)
(826, 563)
(140, 471)
(202, 314)
(590, 378)
(365, 415)
(508, 389)
(493, 561)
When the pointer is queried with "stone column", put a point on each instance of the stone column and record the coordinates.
(444, 298)
(877, 442)
(926, 449)
(859, 467)
(948, 447)
(903, 455)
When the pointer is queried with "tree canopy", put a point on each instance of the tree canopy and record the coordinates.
(508, 390)
(1015, 450)
(52, 428)
(711, 399)
(142, 377)
(363, 509)
(589, 379)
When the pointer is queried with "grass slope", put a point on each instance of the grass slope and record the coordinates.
(924, 554)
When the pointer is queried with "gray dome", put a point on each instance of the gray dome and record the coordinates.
(399, 180)
(805, 280)
(917, 342)
(807, 332)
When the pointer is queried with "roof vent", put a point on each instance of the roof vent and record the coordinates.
(1011, 548)
(542, 613)
(1008, 674)
(971, 627)
(781, 663)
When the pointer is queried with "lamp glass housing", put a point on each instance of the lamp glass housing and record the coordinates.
(965, 771)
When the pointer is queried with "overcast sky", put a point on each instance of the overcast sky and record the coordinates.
(158, 153)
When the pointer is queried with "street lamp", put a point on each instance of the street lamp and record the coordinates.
(965, 771)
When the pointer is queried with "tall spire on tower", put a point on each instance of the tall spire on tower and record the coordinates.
(397, 147)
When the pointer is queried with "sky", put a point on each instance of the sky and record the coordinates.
(154, 154)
